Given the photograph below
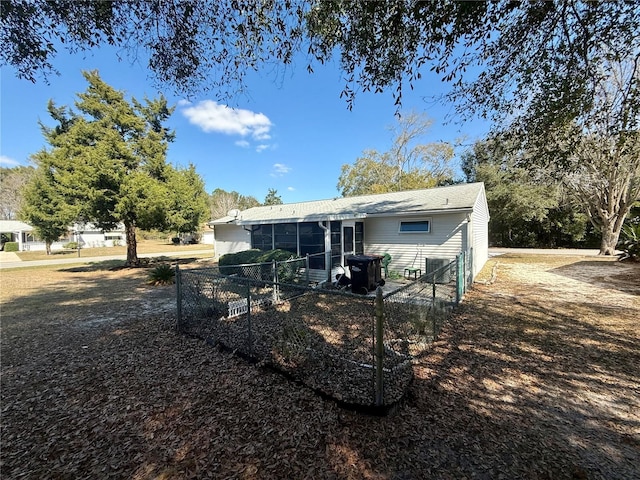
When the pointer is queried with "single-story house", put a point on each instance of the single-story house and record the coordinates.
(411, 226)
(206, 237)
(16, 231)
(88, 234)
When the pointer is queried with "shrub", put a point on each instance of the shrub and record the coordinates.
(151, 234)
(630, 242)
(163, 274)
(11, 247)
(175, 240)
(71, 245)
(228, 263)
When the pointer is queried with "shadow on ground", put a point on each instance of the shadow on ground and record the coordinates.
(513, 389)
(622, 276)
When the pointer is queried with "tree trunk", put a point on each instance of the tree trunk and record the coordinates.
(47, 246)
(609, 239)
(132, 245)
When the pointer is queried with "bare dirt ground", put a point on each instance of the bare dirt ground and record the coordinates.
(536, 376)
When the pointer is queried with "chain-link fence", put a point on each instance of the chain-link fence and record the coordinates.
(358, 349)
(294, 271)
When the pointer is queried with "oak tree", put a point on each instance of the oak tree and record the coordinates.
(12, 182)
(407, 165)
(222, 202)
(529, 206)
(501, 58)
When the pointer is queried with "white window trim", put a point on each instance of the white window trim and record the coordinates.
(401, 232)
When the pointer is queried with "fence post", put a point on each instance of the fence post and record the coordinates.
(327, 264)
(459, 262)
(306, 270)
(249, 339)
(470, 277)
(275, 296)
(379, 348)
(463, 261)
(433, 288)
(178, 297)
(434, 313)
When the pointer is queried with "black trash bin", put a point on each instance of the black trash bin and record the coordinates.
(366, 272)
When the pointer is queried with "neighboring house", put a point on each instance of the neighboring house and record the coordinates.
(207, 237)
(411, 226)
(90, 236)
(16, 231)
(87, 234)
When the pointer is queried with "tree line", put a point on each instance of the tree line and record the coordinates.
(536, 199)
(531, 205)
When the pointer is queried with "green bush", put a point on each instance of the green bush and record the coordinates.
(11, 247)
(163, 274)
(229, 263)
(630, 242)
(151, 234)
(71, 245)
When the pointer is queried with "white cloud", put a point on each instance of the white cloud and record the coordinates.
(242, 143)
(291, 189)
(261, 148)
(213, 117)
(10, 162)
(183, 102)
(281, 168)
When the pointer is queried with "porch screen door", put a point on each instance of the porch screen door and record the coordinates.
(347, 242)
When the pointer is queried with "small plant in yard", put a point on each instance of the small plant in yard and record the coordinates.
(11, 247)
(162, 275)
(394, 275)
(630, 242)
(71, 245)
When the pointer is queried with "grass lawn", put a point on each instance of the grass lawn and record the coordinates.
(144, 246)
(535, 376)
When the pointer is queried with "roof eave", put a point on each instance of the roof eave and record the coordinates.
(436, 211)
(337, 217)
(308, 218)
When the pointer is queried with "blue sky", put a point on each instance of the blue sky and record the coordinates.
(291, 131)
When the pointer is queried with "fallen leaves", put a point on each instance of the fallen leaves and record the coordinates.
(545, 388)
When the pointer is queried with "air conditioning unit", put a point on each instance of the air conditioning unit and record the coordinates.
(437, 266)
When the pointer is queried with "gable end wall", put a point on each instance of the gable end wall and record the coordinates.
(230, 239)
(480, 233)
(445, 240)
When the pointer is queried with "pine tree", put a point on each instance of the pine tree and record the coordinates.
(107, 165)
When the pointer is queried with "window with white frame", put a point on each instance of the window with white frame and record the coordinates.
(415, 226)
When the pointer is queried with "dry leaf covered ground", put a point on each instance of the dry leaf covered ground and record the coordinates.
(536, 376)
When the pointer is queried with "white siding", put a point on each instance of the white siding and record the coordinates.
(207, 238)
(411, 249)
(230, 239)
(92, 239)
(480, 232)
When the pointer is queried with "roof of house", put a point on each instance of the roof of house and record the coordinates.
(461, 197)
(14, 226)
